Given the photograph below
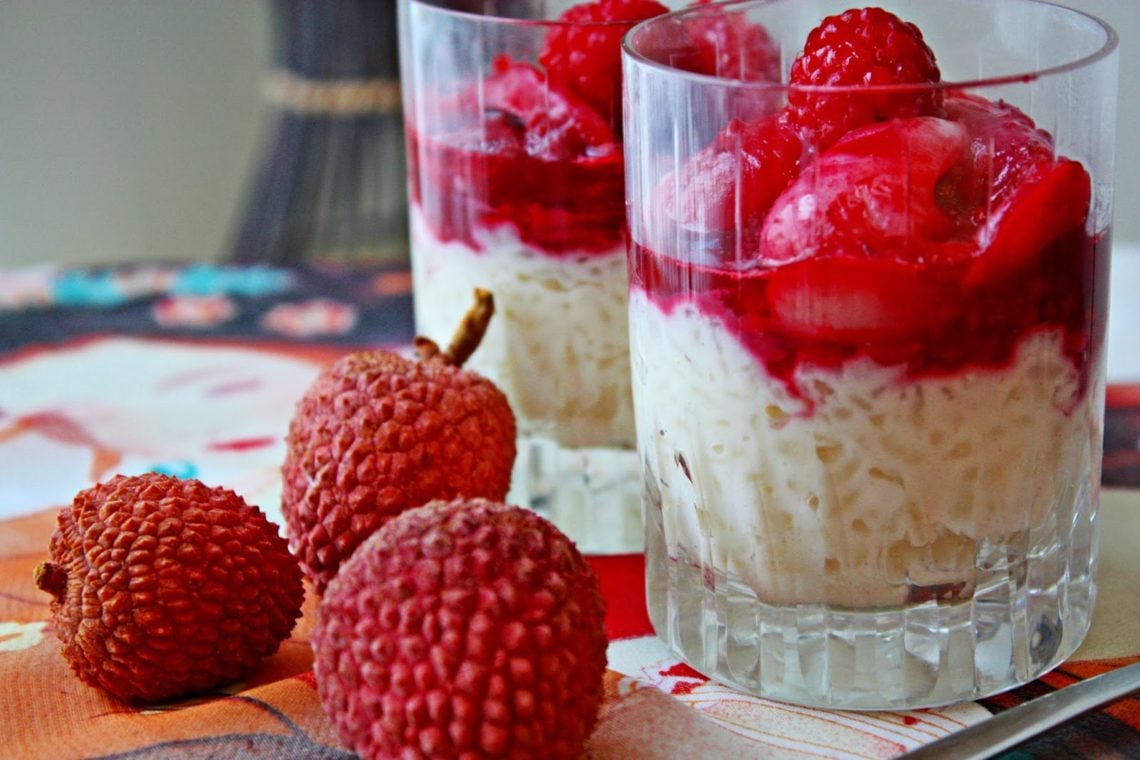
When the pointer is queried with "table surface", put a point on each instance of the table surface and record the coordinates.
(194, 370)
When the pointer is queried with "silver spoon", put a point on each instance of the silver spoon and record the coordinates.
(1037, 716)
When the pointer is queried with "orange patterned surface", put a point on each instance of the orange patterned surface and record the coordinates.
(662, 710)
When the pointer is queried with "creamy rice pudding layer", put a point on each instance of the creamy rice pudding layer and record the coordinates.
(868, 484)
(558, 344)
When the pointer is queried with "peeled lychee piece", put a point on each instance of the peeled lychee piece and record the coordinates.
(555, 123)
(467, 628)
(378, 433)
(855, 299)
(873, 194)
(163, 587)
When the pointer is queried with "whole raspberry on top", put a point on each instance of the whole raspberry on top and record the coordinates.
(858, 48)
(465, 629)
(583, 51)
(378, 433)
(163, 588)
(725, 43)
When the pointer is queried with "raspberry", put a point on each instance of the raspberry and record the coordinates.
(583, 51)
(378, 433)
(874, 194)
(162, 587)
(1007, 151)
(857, 48)
(463, 629)
(725, 44)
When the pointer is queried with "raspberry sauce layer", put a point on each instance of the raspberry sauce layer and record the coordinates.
(932, 320)
(539, 158)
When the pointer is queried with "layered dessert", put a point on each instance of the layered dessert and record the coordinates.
(867, 341)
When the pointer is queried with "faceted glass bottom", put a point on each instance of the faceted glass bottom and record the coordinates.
(1023, 619)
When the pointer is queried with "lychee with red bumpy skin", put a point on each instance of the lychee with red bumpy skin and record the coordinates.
(463, 629)
(378, 433)
(163, 587)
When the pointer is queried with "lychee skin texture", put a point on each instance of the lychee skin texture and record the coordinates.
(465, 629)
(376, 434)
(164, 587)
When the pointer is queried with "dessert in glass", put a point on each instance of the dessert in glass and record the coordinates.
(516, 186)
(867, 313)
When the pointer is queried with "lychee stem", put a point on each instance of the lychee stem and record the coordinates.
(52, 578)
(467, 336)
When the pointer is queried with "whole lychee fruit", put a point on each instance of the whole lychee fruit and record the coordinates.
(378, 433)
(163, 587)
(463, 629)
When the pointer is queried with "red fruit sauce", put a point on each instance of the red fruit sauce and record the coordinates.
(518, 150)
(930, 319)
(556, 206)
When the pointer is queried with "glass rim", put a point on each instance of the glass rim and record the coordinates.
(1108, 46)
(443, 7)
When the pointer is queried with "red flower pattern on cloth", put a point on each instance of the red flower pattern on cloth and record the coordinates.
(307, 319)
(194, 311)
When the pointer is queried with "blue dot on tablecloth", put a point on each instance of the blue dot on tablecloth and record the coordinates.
(83, 288)
(210, 279)
(177, 468)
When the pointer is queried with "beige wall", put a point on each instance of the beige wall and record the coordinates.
(128, 127)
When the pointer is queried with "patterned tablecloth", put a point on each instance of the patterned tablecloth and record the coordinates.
(195, 370)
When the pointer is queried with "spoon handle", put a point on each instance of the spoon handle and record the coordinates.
(1027, 720)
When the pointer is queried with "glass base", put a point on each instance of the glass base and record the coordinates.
(922, 655)
(593, 495)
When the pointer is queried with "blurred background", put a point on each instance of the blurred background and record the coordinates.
(139, 130)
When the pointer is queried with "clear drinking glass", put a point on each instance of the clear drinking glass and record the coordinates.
(868, 361)
(516, 186)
